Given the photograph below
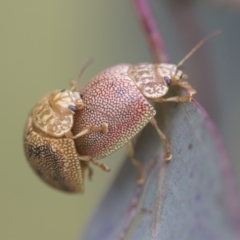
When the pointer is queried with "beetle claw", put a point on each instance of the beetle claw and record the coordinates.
(168, 157)
(140, 181)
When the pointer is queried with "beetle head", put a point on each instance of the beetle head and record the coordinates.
(65, 102)
(170, 73)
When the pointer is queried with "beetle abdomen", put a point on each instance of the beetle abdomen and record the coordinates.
(113, 98)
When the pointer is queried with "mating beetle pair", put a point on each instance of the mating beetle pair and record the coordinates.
(68, 130)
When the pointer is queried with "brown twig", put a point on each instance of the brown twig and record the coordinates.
(151, 30)
(226, 2)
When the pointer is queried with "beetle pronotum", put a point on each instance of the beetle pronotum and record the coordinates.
(67, 129)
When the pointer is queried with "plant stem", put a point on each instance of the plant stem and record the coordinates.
(151, 30)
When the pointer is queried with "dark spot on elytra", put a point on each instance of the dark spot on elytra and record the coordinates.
(39, 152)
(49, 165)
(121, 91)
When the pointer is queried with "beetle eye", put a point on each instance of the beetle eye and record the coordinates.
(63, 90)
(72, 108)
(167, 80)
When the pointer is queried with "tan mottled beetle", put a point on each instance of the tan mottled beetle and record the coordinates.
(49, 144)
(66, 129)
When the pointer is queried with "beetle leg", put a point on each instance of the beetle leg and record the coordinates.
(90, 172)
(165, 141)
(191, 91)
(100, 164)
(187, 98)
(103, 128)
(136, 163)
(186, 86)
(85, 166)
(95, 162)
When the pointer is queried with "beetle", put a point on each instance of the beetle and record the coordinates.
(124, 92)
(49, 142)
(68, 129)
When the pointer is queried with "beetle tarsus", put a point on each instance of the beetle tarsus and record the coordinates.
(101, 165)
(136, 163)
(165, 141)
(103, 128)
(140, 181)
(168, 157)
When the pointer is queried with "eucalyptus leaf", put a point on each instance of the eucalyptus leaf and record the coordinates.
(192, 197)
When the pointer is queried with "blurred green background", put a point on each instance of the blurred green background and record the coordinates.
(43, 45)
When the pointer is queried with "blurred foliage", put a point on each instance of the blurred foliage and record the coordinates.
(43, 45)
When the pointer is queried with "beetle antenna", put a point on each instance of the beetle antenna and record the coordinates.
(198, 46)
(74, 83)
(84, 67)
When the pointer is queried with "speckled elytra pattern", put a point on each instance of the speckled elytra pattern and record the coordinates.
(54, 160)
(115, 100)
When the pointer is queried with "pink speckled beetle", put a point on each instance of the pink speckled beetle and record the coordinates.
(67, 130)
(123, 92)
